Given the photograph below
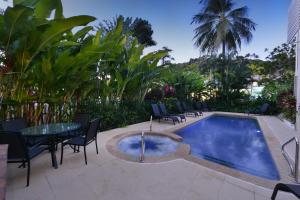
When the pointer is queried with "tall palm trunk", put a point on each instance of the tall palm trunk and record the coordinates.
(224, 49)
(225, 72)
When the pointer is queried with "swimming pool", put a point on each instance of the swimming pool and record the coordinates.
(234, 142)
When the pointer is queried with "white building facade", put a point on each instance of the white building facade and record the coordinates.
(294, 36)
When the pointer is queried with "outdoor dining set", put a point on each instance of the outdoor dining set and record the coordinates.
(25, 143)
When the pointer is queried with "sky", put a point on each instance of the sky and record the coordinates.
(171, 21)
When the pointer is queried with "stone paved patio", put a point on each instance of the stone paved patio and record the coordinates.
(109, 178)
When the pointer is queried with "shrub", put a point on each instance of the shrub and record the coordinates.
(287, 105)
(119, 114)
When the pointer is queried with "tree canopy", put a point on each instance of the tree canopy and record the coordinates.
(220, 25)
(139, 28)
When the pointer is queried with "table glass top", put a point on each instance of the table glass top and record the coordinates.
(50, 129)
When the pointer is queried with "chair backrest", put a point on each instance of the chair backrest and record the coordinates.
(16, 145)
(163, 108)
(92, 130)
(264, 108)
(155, 110)
(14, 125)
(179, 107)
(83, 119)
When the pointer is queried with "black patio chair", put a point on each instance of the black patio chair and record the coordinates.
(159, 116)
(165, 112)
(80, 118)
(291, 188)
(83, 119)
(18, 152)
(83, 141)
(16, 125)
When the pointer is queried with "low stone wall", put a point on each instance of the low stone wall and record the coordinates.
(3, 167)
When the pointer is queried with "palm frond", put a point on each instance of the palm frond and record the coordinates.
(219, 23)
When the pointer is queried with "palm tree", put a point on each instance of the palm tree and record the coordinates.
(220, 25)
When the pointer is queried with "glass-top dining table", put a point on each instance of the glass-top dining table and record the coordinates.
(51, 132)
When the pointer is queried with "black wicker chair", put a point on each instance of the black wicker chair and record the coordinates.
(16, 125)
(90, 136)
(18, 152)
(80, 118)
(83, 119)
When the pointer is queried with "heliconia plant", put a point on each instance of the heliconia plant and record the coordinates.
(45, 62)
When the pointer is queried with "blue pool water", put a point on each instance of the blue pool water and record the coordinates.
(234, 142)
(154, 145)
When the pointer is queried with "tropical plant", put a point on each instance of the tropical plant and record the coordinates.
(150, 76)
(134, 74)
(187, 82)
(280, 64)
(277, 74)
(286, 102)
(25, 38)
(46, 65)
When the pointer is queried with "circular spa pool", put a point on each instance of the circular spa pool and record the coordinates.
(154, 145)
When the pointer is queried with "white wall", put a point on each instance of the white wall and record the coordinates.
(294, 33)
(297, 80)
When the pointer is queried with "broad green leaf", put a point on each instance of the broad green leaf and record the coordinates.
(29, 3)
(66, 44)
(82, 33)
(15, 20)
(43, 8)
(58, 27)
(2, 26)
(97, 38)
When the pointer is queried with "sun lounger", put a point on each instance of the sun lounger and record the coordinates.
(165, 112)
(181, 110)
(186, 108)
(291, 188)
(159, 116)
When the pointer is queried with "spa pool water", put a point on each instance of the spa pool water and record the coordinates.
(154, 145)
